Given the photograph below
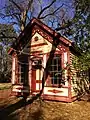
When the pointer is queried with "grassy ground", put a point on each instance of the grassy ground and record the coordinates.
(5, 86)
(13, 108)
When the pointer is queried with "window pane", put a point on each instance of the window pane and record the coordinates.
(55, 69)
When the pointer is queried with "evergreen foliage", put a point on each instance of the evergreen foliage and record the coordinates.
(6, 38)
(81, 32)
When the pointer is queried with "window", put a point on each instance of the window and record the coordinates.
(55, 74)
(23, 73)
(23, 68)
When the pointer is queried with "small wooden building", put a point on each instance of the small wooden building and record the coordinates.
(42, 63)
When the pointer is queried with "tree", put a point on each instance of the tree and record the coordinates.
(20, 13)
(6, 37)
(81, 32)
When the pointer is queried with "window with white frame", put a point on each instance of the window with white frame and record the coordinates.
(23, 73)
(55, 74)
(23, 68)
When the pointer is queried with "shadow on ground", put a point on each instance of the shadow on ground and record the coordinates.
(9, 112)
(6, 113)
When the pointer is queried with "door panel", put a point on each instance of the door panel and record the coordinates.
(33, 83)
(36, 75)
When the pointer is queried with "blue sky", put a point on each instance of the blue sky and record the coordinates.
(68, 3)
(2, 3)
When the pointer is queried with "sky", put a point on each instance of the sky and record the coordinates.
(2, 3)
(68, 3)
(2, 6)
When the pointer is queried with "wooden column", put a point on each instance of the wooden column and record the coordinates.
(69, 78)
(65, 59)
(30, 72)
(14, 69)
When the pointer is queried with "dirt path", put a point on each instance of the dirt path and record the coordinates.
(5, 93)
(12, 108)
(45, 110)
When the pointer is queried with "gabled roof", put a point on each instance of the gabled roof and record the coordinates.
(26, 34)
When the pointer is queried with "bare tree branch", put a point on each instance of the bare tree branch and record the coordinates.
(28, 7)
(45, 8)
(4, 36)
(29, 4)
(66, 25)
(16, 5)
(51, 13)
(13, 23)
(53, 21)
(9, 15)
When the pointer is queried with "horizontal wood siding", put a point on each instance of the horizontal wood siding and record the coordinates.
(79, 81)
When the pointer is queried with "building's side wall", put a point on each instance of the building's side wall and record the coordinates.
(79, 80)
